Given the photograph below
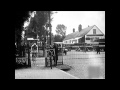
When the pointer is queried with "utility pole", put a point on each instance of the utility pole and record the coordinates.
(50, 27)
(50, 39)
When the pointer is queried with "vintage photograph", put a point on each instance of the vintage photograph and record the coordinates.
(60, 45)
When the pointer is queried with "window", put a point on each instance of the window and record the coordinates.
(96, 39)
(94, 31)
(87, 38)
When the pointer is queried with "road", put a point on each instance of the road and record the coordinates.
(39, 71)
(87, 65)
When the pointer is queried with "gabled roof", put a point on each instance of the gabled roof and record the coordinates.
(79, 34)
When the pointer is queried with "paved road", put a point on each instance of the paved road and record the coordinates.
(86, 65)
(41, 72)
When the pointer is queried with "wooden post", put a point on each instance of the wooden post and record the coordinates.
(29, 61)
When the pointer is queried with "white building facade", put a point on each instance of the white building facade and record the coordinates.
(87, 35)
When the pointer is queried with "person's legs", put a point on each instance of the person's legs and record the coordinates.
(65, 52)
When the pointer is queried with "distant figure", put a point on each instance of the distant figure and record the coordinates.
(98, 49)
(65, 51)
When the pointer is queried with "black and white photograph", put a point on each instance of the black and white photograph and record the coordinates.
(60, 45)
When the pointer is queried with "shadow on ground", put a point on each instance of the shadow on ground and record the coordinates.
(64, 67)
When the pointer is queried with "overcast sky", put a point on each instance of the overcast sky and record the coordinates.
(71, 19)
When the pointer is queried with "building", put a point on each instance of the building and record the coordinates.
(88, 35)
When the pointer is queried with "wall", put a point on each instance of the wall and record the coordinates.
(81, 40)
(70, 41)
(97, 30)
(92, 36)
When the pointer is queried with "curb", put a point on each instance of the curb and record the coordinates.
(70, 75)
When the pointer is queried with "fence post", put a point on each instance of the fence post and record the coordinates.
(29, 61)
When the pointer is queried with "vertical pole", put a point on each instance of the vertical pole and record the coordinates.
(50, 27)
(29, 62)
(62, 54)
(37, 44)
(50, 39)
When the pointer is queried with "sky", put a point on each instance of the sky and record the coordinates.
(71, 19)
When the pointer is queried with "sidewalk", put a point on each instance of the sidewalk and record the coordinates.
(42, 73)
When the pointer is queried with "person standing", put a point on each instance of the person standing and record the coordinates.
(98, 49)
(65, 51)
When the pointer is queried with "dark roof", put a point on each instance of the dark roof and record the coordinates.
(79, 34)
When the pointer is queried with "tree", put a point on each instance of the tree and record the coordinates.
(61, 29)
(38, 24)
(52, 38)
(58, 38)
(61, 33)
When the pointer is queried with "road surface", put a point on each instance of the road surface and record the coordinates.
(87, 65)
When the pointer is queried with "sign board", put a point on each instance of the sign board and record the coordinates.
(30, 39)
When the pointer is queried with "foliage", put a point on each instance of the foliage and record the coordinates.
(61, 33)
(58, 38)
(52, 38)
(61, 29)
(38, 25)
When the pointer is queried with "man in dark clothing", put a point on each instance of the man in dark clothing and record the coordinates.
(98, 49)
(56, 53)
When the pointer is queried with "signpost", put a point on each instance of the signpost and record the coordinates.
(50, 37)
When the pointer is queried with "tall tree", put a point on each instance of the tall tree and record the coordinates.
(61, 33)
(38, 24)
(61, 29)
(57, 38)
